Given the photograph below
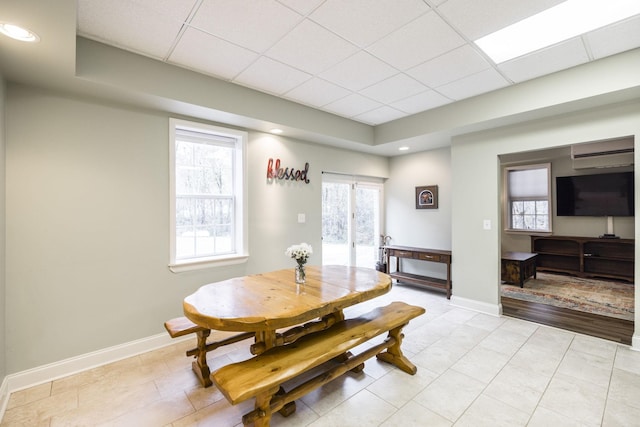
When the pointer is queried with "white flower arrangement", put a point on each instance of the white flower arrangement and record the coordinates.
(300, 253)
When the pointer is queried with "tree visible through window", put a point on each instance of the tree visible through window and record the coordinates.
(207, 193)
(528, 204)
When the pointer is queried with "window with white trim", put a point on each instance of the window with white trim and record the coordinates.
(208, 197)
(528, 198)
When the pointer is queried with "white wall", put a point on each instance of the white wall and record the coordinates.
(88, 222)
(476, 174)
(408, 226)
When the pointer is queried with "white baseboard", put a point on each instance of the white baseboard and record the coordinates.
(4, 397)
(482, 307)
(63, 368)
(635, 341)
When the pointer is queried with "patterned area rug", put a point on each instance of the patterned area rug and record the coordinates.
(614, 299)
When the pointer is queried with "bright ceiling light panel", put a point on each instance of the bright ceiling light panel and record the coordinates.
(562, 22)
(18, 33)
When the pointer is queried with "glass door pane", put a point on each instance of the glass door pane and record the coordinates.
(351, 218)
(367, 225)
(335, 223)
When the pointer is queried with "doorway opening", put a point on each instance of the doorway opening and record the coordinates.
(352, 216)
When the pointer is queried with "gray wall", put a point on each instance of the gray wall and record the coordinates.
(476, 181)
(3, 322)
(408, 226)
(88, 223)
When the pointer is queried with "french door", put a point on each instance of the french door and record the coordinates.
(351, 221)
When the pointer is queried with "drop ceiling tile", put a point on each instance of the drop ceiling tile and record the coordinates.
(352, 105)
(451, 66)
(417, 42)
(358, 71)
(394, 88)
(475, 84)
(379, 115)
(256, 25)
(202, 52)
(317, 92)
(362, 22)
(303, 7)
(477, 18)
(546, 61)
(311, 48)
(615, 38)
(421, 102)
(271, 76)
(131, 26)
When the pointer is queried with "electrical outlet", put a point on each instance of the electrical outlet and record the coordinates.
(302, 218)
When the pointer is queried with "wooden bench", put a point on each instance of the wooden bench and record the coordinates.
(181, 326)
(263, 375)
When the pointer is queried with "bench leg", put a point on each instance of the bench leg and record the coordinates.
(394, 354)
(288, 408)
(261, 415)
(199, 365)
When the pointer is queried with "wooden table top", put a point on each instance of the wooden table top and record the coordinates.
(273, 300)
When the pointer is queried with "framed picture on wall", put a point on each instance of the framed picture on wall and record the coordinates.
(427, 197)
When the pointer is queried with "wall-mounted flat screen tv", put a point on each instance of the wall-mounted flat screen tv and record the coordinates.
(609, 194)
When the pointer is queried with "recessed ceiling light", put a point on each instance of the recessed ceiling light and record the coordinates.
(404, 148)
(276, 131)
(566, 20)
(18, 33)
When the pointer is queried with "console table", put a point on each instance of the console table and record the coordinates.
(431, 255)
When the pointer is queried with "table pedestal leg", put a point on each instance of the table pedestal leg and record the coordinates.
(199, 365)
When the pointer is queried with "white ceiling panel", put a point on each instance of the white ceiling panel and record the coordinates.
(272, 76)
(203, 52)
(311, 48)
(352, 105)
(362, 22)
(615, 38)
(477, 18)
(349, 73)
(379, 115)
(475, 84)
(420, 102)
(317, 92)
(303, 7)
(547, 61)
(417, 42)
(133, 26)
(348, 57)
(451, 66)
(394, 88)
(255, 25)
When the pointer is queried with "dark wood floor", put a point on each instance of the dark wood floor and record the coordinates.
(609, 328)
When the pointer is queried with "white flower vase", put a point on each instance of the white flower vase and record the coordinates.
(300, 274)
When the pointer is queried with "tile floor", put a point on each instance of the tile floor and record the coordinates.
(473, 370)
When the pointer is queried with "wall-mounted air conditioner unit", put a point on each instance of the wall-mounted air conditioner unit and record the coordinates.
(603, 154)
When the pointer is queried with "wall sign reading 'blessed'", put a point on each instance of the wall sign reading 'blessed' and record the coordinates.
(292, 174)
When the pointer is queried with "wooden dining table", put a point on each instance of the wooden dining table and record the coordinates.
(267, 302)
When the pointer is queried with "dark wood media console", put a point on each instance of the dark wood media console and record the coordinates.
(432, 255)
(585, 256)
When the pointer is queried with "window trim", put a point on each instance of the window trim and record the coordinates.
(507, 205)
(241, 253)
